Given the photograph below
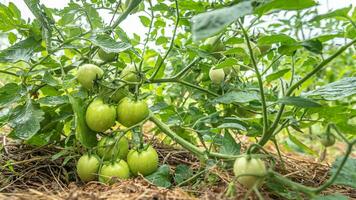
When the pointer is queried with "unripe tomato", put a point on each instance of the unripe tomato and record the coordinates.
(129, 74)
(130, 112)
(87, 73)
(234, 70)
(214, 47)
(87, 167)
(110, 172)
(217, 76)
(106, 57)
(327, 139)
(116, 95)
(248, 165)
(143, 162)
(100, 116)
(110, 148)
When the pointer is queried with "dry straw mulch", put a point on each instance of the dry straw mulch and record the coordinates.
(30, 173)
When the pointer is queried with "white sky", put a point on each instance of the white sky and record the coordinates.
(133, 25)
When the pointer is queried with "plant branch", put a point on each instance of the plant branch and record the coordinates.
(171, 43)
(259, 78)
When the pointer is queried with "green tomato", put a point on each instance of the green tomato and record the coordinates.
(217, 76)
(87, 73)
(143, 162)
(110, 172)
(327, 139)
(131, 112)
(247, 165)
(129, 74)
(100, 116)
(234, 70)
(87, 167)
(106, 57)
(109, 148)
(116, 95)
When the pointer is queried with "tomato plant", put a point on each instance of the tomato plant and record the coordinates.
(87, 167)
(110, 172)
(214, 78)
(143, 161)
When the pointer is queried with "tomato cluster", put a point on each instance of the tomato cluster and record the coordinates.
(108, 162)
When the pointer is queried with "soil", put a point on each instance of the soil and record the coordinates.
(34, 173)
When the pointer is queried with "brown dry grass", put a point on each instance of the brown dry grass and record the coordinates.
(28, 173)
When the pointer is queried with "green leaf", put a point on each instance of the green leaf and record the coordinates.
(25, 120)
(314, 46)
(53, 100)
(4, 116)
(237, 97)
(347, 175)
(86, 136)
(10, 93)
(278, 38)
(229, 62)
(10, 17)
(331, 197)
(276, 75)
(299, 102)
(12, 38)
(232, 126)
(284, 5)
(182, 173)
(229, 145)
(342, 12)
(210, 23)
(108, 44)
(93, 16)
(22, 50)
(161, 177)
(302, 146)
(336, 90)
(145, 21)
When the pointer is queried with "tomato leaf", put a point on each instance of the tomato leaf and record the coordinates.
(284, 5)
(207, 24)
(276, 39)
(314, 46)
(53, 100)
(21, 51)
(347, 175)
(25, 120)
(108, 44)
(229, 145)
(336, 90)
(86, 136)
(182, 173)
(276, 75)
(11, 93)
(161, 177)
(237, 97)
(342, 12)
(229, 62)
(299, 101)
